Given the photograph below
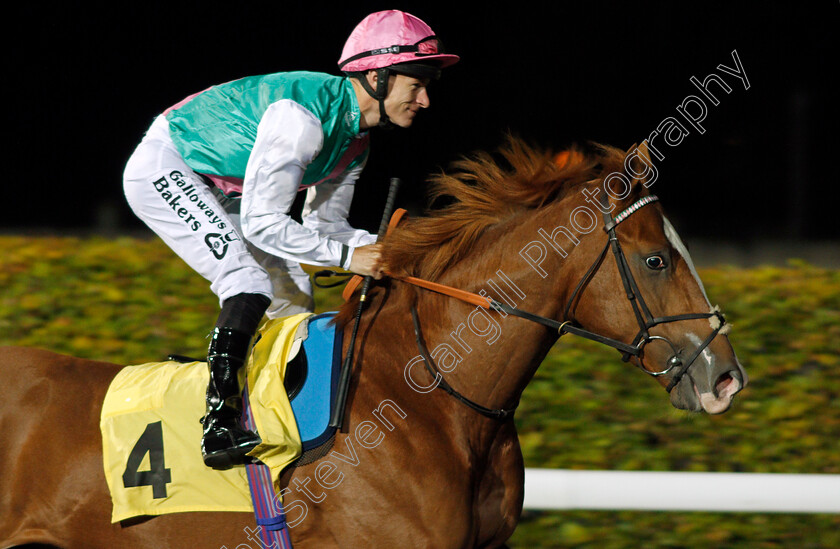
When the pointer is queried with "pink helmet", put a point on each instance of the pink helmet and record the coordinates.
(393, 37)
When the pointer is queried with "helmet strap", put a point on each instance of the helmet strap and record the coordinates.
(382, 77)
(381, 91)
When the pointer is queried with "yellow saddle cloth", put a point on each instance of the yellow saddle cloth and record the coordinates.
(151, 430)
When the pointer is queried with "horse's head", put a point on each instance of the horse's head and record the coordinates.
(633, 288)
(643, 290)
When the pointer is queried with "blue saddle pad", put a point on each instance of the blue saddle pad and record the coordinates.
(313, 404)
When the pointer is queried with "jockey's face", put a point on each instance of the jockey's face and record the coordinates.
(406, 96)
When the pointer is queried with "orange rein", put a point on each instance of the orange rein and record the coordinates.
(463, 295)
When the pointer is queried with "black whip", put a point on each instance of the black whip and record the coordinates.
(337, 418)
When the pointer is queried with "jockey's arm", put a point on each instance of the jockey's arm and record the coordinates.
(288, 138)
(327, 208)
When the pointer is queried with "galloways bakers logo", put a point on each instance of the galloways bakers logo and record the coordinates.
(218, 243)
(181, 195)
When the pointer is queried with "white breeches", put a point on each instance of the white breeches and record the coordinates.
(178, 206)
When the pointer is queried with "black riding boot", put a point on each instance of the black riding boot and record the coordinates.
(225, 442)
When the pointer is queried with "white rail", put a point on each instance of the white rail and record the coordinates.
(676, 491)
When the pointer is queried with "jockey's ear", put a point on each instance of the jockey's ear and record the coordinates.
(639, 166)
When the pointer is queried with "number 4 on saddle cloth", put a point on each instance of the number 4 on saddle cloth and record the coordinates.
(151, 428)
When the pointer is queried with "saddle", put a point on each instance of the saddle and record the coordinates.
(311, 382)
(310, 379)
(151, 430)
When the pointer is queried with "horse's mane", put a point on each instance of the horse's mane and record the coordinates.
(480, 191)
(484, 189)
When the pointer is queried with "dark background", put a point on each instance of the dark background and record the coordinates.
(85, 83)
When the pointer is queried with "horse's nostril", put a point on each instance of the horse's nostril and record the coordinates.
(727, 385)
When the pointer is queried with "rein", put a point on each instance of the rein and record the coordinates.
(676, 365)
(497, 413)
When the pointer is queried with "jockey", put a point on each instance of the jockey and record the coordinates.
(216, 176)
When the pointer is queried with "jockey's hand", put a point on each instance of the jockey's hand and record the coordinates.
(367, 261)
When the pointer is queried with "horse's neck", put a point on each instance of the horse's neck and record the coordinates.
(489, 356)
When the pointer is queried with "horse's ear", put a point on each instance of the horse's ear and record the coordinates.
(639, 166)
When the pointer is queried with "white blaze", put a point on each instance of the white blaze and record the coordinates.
(677, 243)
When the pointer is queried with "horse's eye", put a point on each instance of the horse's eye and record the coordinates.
(655, 262)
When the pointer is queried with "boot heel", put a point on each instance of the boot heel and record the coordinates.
(223, 448)
(220, 461)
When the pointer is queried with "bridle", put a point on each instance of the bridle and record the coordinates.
(676, 365)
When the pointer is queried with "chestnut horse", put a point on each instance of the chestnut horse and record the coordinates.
(414, 465)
